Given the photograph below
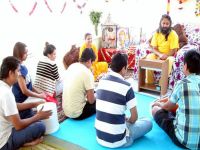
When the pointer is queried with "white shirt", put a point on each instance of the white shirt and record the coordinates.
(8, 107)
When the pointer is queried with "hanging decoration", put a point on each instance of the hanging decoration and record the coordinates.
(197, 8)
(181, 3)
(13, 6)
(16, 10)
(168, 7)
(33, 9)
(46, 3)
(63, 8)
(80, 6)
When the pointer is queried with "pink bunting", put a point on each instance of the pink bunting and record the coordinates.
(46, 3)
(33, 9)
(63, 8)
(13, 7)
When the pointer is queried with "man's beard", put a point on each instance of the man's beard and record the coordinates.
(165, 30)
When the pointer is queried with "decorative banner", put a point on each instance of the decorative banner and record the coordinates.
(80, 6)
(197, 8)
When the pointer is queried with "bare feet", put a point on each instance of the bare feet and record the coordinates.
(35, 142)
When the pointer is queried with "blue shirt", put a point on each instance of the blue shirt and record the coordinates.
(187, 123)
(114, 95)
(19, 96)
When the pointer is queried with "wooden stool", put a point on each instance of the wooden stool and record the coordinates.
(155, 65)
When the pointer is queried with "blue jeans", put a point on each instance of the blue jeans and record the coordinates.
(28, 134)
(137, 130)
(26, 113)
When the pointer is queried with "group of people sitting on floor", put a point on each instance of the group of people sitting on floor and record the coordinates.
(21, 126)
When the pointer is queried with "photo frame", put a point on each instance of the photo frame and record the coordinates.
(109, 36)
(123, 38)
(135, 35)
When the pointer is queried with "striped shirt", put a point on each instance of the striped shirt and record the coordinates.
(187, 123)
(114, 96)
(46, 76)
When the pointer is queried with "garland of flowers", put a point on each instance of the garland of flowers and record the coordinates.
(46, 3)
(80, 6)
(197, 8)
(13, 6)
(33, 9)
(63, 8)
(48, 6)
(168, 6)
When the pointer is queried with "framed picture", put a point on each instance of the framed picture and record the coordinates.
(122, 38)
(135, 35)
(109, 36)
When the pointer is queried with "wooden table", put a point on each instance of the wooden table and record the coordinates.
(155, 65)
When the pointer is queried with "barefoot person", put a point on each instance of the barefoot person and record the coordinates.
(16, 132)
(183, 127)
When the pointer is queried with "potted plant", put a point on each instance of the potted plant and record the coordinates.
(95, 18)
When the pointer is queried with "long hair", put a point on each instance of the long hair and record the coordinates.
(165, 16)
(19, 50)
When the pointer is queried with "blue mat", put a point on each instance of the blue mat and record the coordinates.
(83, 132)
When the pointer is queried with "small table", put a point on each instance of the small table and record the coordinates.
(155, 65)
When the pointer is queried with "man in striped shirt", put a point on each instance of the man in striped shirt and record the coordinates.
(183, 127)
(115, 95)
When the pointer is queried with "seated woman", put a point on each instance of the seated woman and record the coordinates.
(23, 88)
(164, 45)
(47, 71)
(97, 67)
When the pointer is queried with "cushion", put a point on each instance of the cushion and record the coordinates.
(60, 111)
(192, 32)
(181, 34)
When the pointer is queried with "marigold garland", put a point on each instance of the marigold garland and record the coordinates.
(197, 8)
(168, 6)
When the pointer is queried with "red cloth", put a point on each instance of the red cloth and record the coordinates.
(105, 54)
(51, 99)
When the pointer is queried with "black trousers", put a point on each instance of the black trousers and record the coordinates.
(88, 111)
(165, 120)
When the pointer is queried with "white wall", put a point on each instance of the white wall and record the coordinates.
(68, 28)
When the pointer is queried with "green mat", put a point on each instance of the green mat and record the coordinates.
(53, 143)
